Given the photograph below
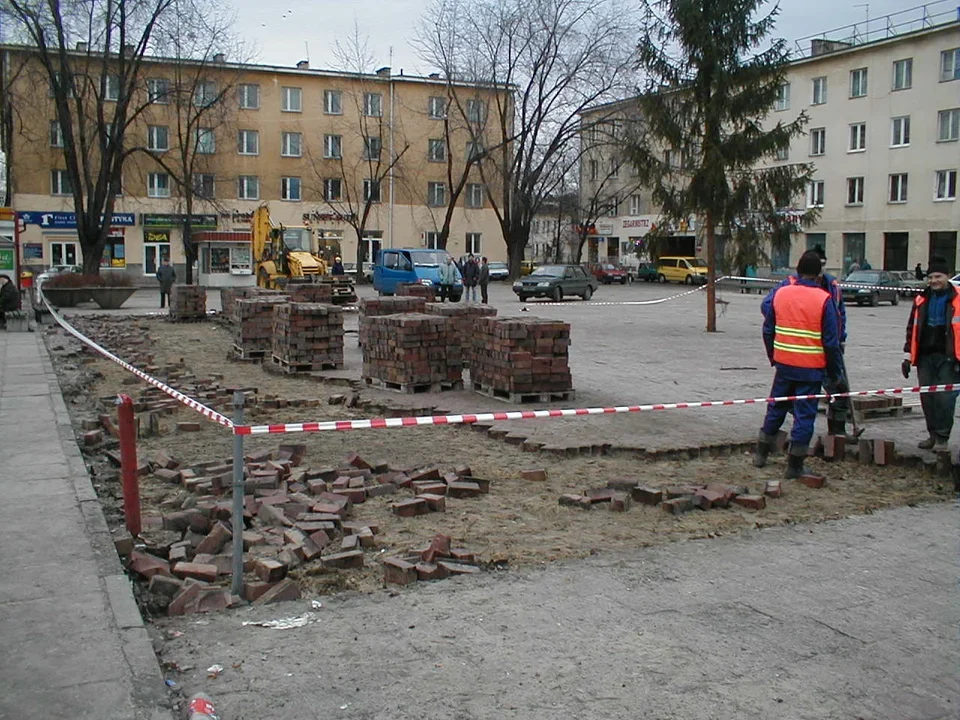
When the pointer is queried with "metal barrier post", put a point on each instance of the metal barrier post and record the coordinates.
(128, 464)
(236, 586)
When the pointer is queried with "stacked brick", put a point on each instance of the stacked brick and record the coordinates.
(311, 292)
(374, 307)
(229, 296)
(416, 290)
(520, 356)
(410, 351)
(188, 302)
(307, 336)
(253, 328)
(463, 317)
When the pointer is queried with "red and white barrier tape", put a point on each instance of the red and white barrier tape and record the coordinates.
(419, 420)
(850, 286)
(207, 412)
(658, 301)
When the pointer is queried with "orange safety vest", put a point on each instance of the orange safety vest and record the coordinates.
(798, 335)
(952, 327)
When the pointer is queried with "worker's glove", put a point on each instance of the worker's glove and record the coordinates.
(905, 368)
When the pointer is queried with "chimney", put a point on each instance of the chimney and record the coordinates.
(384, 71)
(81, 47)
(303, 65)
(434, 76)
(219, 58)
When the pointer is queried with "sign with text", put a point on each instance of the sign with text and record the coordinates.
(68, 219)
(6, 259)
(198, 222)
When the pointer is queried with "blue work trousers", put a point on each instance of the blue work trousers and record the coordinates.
(804, 411)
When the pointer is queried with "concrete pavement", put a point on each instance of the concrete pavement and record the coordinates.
(74, 644)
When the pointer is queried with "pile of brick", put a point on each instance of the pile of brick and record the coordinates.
(307, 337)
(188, 302)
(253, 325)
(521, 359)
(375, 307)
(430, 489)
(437, 561)
(229, 296)
(675, 500)
(416, 290)
(413, 352)
(310, 292)
(463, 317)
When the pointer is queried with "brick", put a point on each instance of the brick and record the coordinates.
(270, 570)
(270, 515)
(463, 471)
(599, 495)
(185, 601)
(678, 505)
(92, 437)
(344, 560)
(293, 536)
(358, 462)
(429, 486)
(109, 425)
(727, 492)
(124, 544)
(865, 451)
(188, 427)
(439, 548)
(750, 502)
(431, 473)
(677, 491)
(327, 508)
(381, 490)
(337, 499)
(214, 542)
(308, 550)
(410, 508)
(620, 502)
(350, 542)
(463, 555)
(623, 485)
(354, 495)
(883, 452)
(463, 489)
(252, 539)
(431, 571)
(197, 571)
(165, 585)
(436, 503)
(292, 452)
(572, 500)
(537, 475)
(171, 476)
(647, 495)
(399, 572)
(812, 481)
(834, 447)
(283, 591)
(147, 565)
(253, 589)
(320, 538)
(455, 568)
(213, 601)
(773, 488)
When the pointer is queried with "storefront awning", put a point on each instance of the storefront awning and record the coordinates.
(222, 236)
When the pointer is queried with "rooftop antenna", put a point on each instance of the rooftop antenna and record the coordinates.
(866, 27)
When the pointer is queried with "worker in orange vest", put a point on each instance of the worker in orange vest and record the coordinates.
(933, 347)
(802, 338)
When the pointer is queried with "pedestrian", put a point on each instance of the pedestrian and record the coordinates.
(484, 280)
(471, 277)
(167, 276)
(9, 298)
(338, 267)
(854, 267)
(933, 347)
(866, 265)
(802, 340)
(448, 276)
(918, 272)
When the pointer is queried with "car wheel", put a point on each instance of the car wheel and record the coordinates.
(522, 298)
(588, 293)
(875, 299)
(623, 281)
(688, 280)
(557, 294)
(895, 300)
(661, 278)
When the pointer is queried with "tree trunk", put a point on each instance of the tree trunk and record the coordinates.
(515, 256)
(711, 274)
(189, 248)
(91, 245)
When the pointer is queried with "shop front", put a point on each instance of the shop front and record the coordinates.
(225, 259)
(50, 238)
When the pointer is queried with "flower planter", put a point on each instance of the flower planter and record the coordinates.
(66, 297)
(111, 298)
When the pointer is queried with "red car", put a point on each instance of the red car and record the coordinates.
(607, 273)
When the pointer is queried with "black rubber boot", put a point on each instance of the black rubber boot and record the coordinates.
(837, 427)
(765, 445)
(795, 466)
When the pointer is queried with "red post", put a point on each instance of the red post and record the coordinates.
(128, 463)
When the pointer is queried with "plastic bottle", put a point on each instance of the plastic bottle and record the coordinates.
(201, 707)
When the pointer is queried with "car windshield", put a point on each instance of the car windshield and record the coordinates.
(497, 266)
(296, 238)
(698, 262)
(609, 267)
(864, 277)
(429, 258)
(549, 271)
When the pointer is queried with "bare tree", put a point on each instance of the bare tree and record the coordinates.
(552, 59)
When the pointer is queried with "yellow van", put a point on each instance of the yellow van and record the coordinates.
(688, 270)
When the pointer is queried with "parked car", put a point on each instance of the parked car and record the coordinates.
(40, 279)
(556, 282)
(350, 268)
(647, 272)
(875, 286)
(681, 269)
(412, 265)
(909, 285)
(498, 270)
(607, 274)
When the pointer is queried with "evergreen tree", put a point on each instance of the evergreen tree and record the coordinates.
(713, 78)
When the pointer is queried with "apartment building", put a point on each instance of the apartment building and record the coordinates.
(883, 137)
(313, 145)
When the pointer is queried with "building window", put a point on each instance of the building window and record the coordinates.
(900, 131)
(291, 99)
(636, 204)
(614, 167)
(594, 169)
(203, 186)
(815, 193)
(56, 134)
(205, 94)
(903, 74)
(898, 188)
(437, 108)
(782, 153)
(158, 138)
(60, 183)
(432, 240)
(248, 187)
(472, 246)
(474, 151)
(158, 91)
(249, 96)
(373, 104)
(290, 144)
(668, 159)
(613, 207)
(858, 137)
(436, 194)
(819, 91)
(476, 111)
(946, 188)
(818, 141)
(372, 147)
(206, 141)
(858, 83)
(474, 195)
(436, 150)
(332, 147)
(332, 102)
(290, 189)
(111, 88)
(782, 101)
(948, 125)
(158, 185)
(371, 190)
(855, 191)
(248, 142)
(950, 65)
(332, 189)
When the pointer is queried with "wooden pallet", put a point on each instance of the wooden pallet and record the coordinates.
(414, 388)
(289, 368)
(256, 356)
(523, 398)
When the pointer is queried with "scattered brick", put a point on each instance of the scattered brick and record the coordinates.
(270, 570)
(883, 452)
(573, 500)
(678, 505)
(599, 495)
(188, 427)
(436, 503)
(834, 447)
(399, 572)
(92, 437)
(865, 451)
(646, 495)
(455, 568)
(147, 565)
(463, 489)
(410, 508)
(165, 585)
(431, 571)
(197, 571)
(812, 481)
(773, 488)
(344, 560)
(439, 548)
(620, 502)
(538, 475)
(214, 542)
(184, 602)
(751, 502)
(283, 591)
(706, 499)
(350, 542)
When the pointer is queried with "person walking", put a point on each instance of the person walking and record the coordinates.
(484, 280)
(337, 268)
(933, 347)
(802, 340)
(166, 275)
(471, 277)
(9, 298)
(448, 276)
(918, 272)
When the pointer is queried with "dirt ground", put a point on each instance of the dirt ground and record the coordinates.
(518, 524)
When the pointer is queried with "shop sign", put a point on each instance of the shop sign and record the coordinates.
(317, 216)
(69, 219)
(237, 217)
(157, 220)
(33, 251)
(6, 259)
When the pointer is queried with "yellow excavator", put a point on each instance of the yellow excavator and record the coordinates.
(284, 255)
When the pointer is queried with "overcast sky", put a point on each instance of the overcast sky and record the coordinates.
(283, 28)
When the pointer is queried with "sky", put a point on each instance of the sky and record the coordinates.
(293, 30)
